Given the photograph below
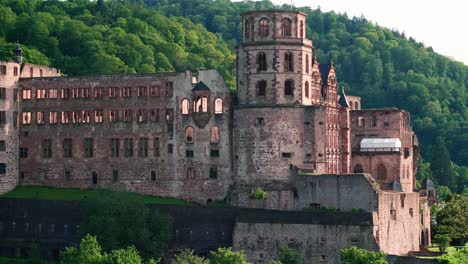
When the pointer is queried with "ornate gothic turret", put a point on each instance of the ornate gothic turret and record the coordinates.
(18, 54)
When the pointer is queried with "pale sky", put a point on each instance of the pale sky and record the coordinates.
(440, 24)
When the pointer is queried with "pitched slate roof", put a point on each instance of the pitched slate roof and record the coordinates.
(200, 87)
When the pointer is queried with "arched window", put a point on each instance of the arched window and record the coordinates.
(306, 88)
(246, 30)
(185, 106)
(200, 104)
(261, 62)
(358, 168)
(356, 106)
(381, 171)
(301, 30)
(261, 88)
(289, 87)
(307, 63)
(286, 27)
(218, 106)
(189, 134)
(288, 62)
(263, 29)
(31, 72)
(214, 135)
(40, 73)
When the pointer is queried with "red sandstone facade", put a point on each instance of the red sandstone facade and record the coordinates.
(179, 135)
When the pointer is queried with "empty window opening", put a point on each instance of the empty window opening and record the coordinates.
(215, 135)
(214, 153)
(2, 168)
(26, 118)
(381, 171)
(261, 62)
(2, 93)
(246, 29)
(289, 87)
(306, 62)
(189, 154)
(301, 29)
(67, 175)
(153, 175)
(261, 87)
(306, 89)
(189, 134)
(218, 106)
(263, 28)
(23, 152)
(94, 177)
(190, 173)
(115, 175)
(98, 116)
(213, 173)
(286, 154)
(170, 148)
(156, 147)
(89, 147)
(127, 115)
(47, 148)
(2, 145)
(361, 121)
(259, 121)
(374, 121)
(67, 148)
(286, 27)
(358, 168)
(288, 62)
(53, 117)
(200, 104)
(115, 147)
(185, 106)
(411, 212)
(26, 94)
(128, 147)
(143, 146)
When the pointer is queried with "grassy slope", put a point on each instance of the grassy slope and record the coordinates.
(69, 194)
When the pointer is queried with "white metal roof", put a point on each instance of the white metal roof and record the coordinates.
(371, 143)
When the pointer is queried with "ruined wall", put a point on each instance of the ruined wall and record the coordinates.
(154, 155)
(342, 192)
(385, 123)
(399, 223)
(318, 239)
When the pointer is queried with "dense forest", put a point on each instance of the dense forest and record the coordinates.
(383, 66)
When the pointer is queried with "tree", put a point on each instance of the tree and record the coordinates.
(228, 256)
(440, 163)
(442, 241)
(121, 219)
(355, 255)
(289, 256)
(452, 219)
(459, 257)
(443, 192)
(187, 257)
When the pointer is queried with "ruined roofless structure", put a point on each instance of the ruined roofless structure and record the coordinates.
(289, 131)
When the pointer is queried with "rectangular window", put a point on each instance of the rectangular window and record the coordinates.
(77, 117)
(114, 92)
(115, 147)
(66, 117)
(67, 175)
(53, 117)
(23, 153)
(2, 93)
(141, 116)
(154, 115)
(98, 116)
(2, 117)
(26, 94)
(127, 115)
(15, 71)
(40, 118)
(189, 153)
(113, 116)
(153, 175)
(213, 173)
(170, 148)
(168, 89)
(41, 94)
(127, 92)
(47, 148)
(88, 147)
(2, 168)
(128, 146)
(53, 93)
(65, 93)
(2, 145)
(156, 147)
(286, 154)
(98, 92)
(361, 121)
(115, 175)
(170, 130)
(15, 95)
(76, 93)
(86, 117)
(26, 118)
(214, 153)
(3, 69)
(143, 147)
(142, 91)
(154, 91)
(15, 119)
(67, 148)
(85, 92)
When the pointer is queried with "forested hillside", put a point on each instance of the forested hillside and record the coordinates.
(383, 66)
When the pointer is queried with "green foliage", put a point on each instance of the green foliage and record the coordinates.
(442, 241)
(89, 252)
(289, 256)
(187, 257)
(459, 257)
(355, 255)
(228, 256)
(23, 261)
(259, 194)
(440, 163)
(452, 219)
(120, 220)
(443, 193)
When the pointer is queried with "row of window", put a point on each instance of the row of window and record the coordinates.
(190, 134)
(99, 92)
(96, 116)
(264, 28)
(3, 71)
(200, 105)
(261, 87)
(288, 62)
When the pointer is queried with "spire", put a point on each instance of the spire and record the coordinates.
(18, 53)
(314, 59)
(343, 101)
(330, 61)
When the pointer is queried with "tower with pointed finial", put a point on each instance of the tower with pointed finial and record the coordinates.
(18, 58)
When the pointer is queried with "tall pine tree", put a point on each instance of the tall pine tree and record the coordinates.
(440, 164)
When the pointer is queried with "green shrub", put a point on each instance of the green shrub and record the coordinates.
(259, 194)
(355, 255)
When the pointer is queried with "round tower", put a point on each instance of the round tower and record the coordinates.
(9, 141)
